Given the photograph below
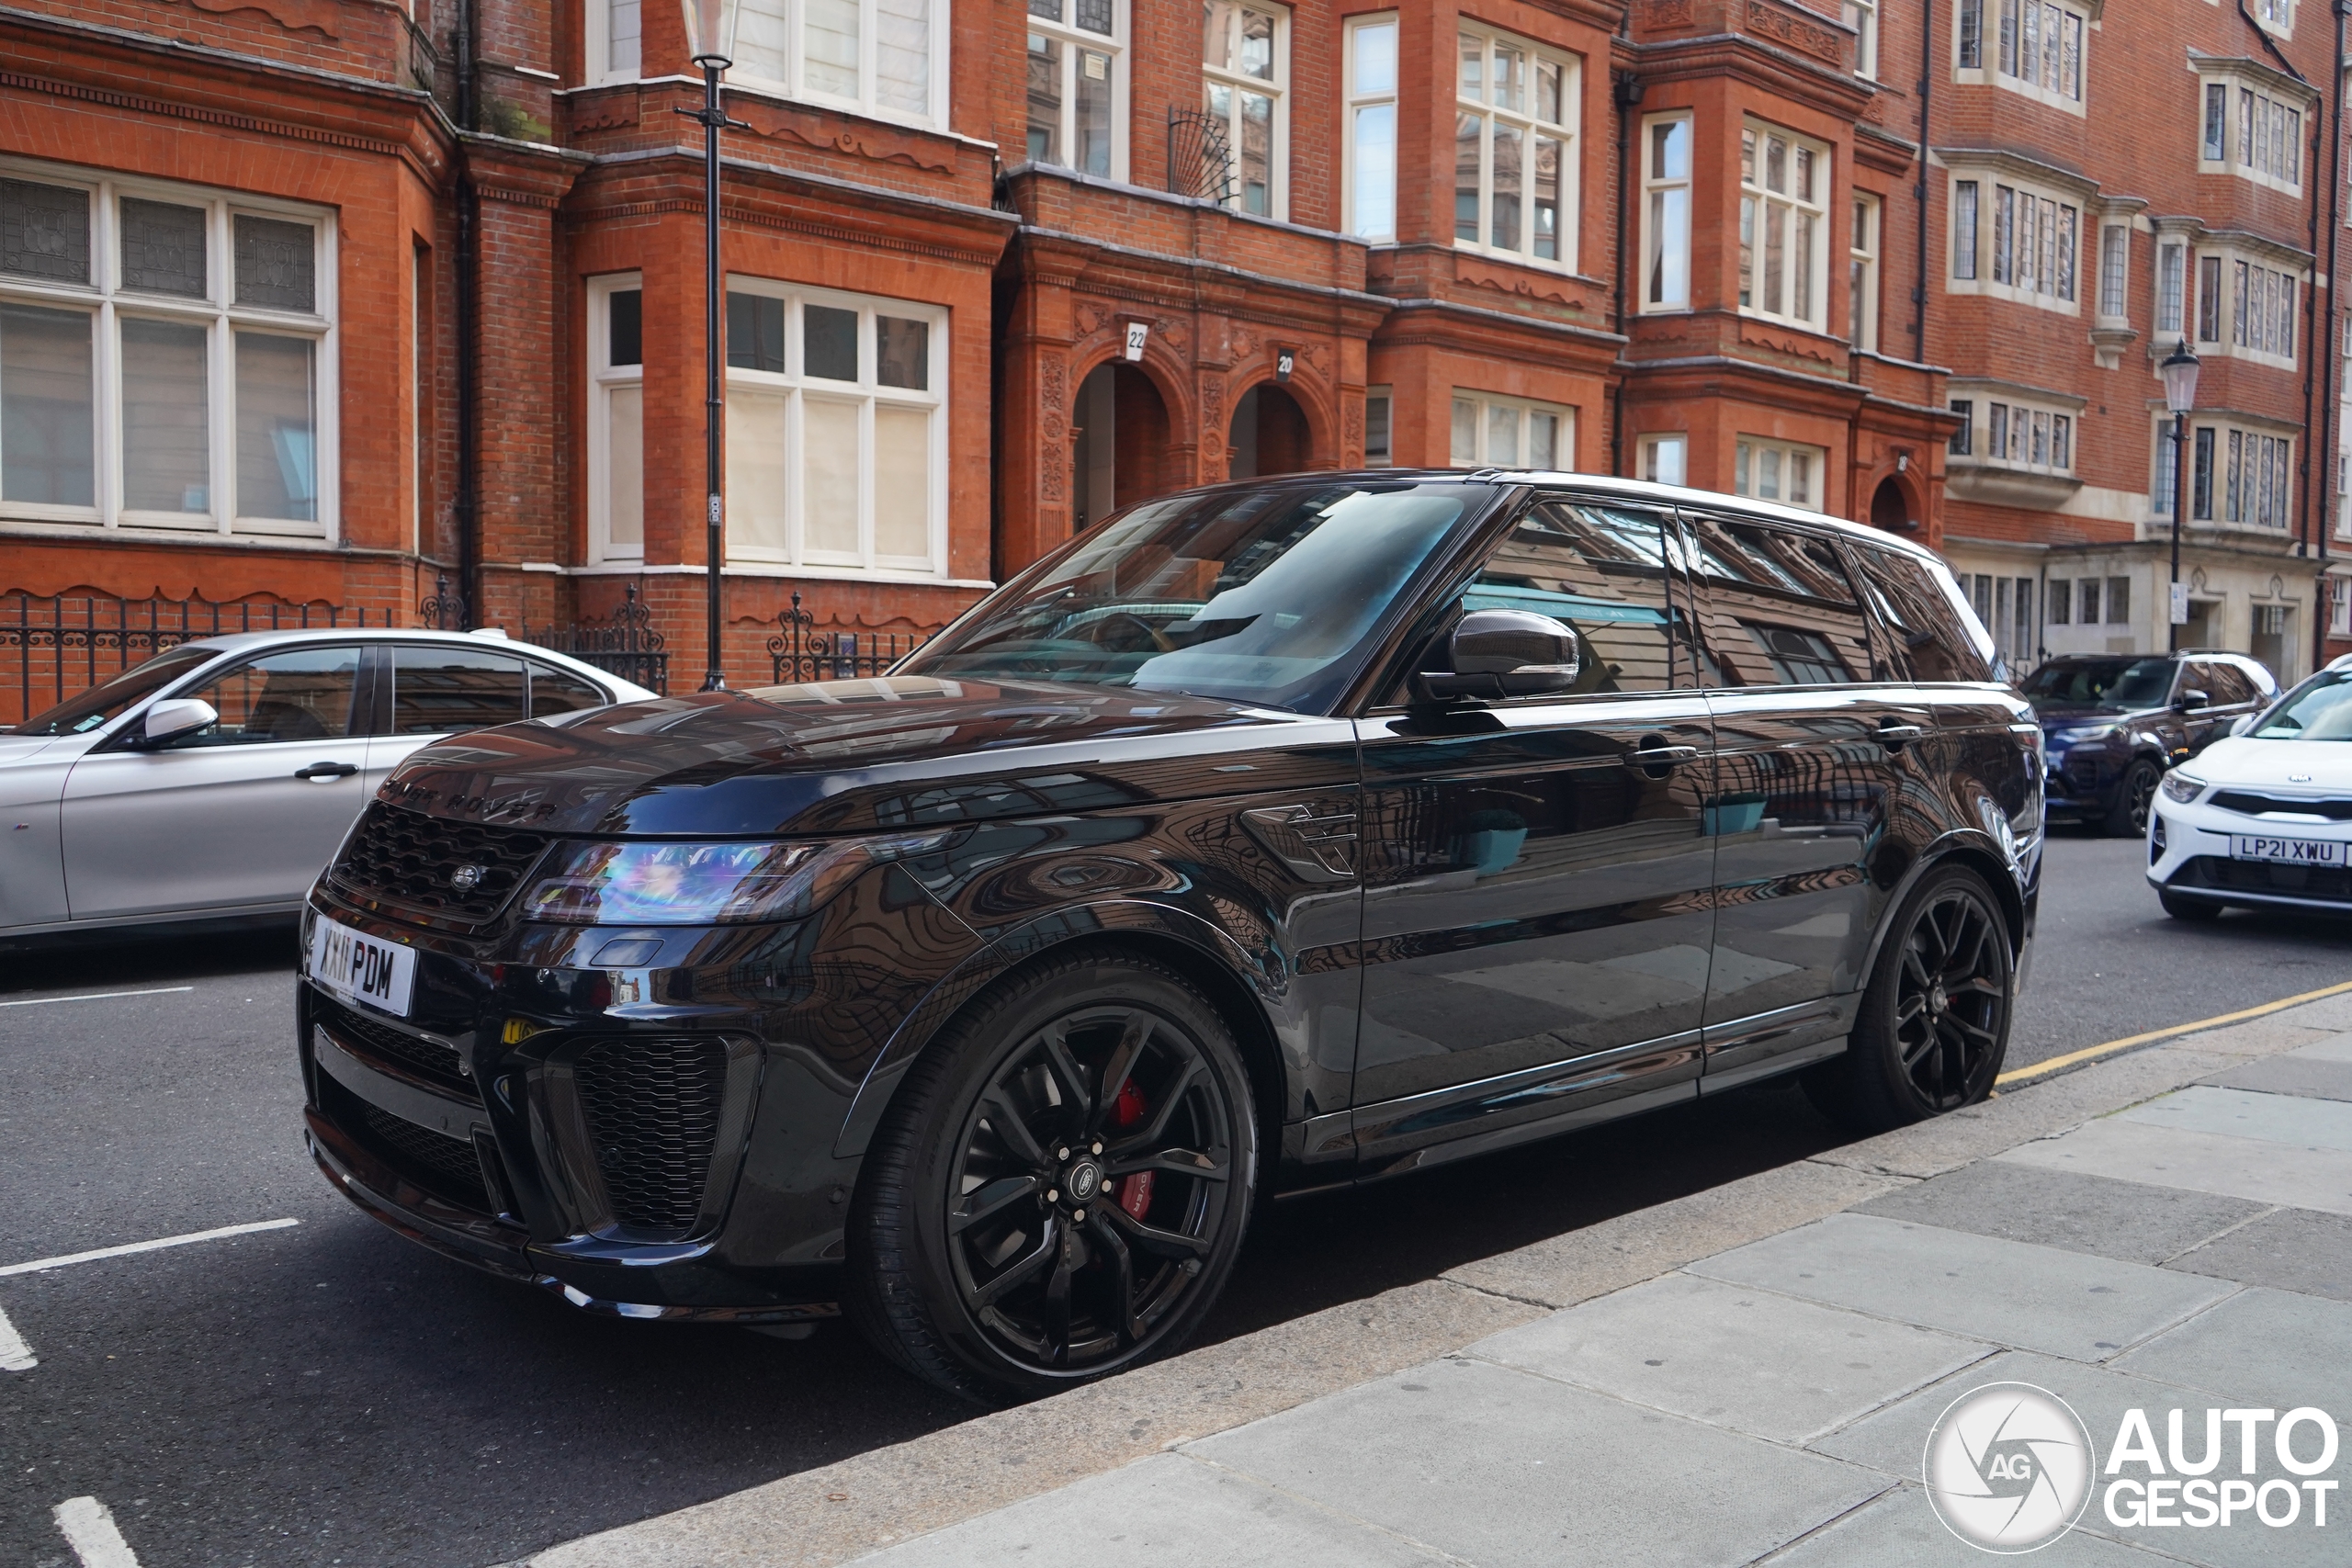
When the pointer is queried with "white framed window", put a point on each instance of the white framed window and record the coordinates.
(2252, 128)
(1078, 84)
(884, 58)
(617, 417)
(1783, 226)
(2009, 432)
(1861, 275)
(2018, 242)
(1666, 212)
(1370, 176)
(836, 430)
(2242, 476)
(2033, 47)
(167, 356)
(1516, 113)
(1491, 431)
(2172, 286)
(1862, 17)
(1379, 427)
(2114, 271)
(1666, 459)
(2276, 16)
(2247, 307)
(2339, 606)
(1779, 470)
(1245, 63)
(615, 40)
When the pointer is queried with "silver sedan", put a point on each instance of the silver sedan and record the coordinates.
(216, 779)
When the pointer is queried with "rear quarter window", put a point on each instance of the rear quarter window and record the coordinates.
(1931, 635)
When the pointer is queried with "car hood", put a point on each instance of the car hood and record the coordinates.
(25, 748)
(2277, 767)
(849, 756)
(2056, 716)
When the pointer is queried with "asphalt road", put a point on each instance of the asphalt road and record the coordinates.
(329, 1393)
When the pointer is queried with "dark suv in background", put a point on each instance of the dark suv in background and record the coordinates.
(2114, 723)
(1263, 839)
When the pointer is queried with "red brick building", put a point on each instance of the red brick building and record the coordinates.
(321, 301)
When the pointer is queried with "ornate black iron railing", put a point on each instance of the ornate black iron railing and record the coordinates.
(799, 652)
(55, 646)
(623, 644)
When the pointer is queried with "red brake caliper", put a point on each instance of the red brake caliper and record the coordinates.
(1134, 1191)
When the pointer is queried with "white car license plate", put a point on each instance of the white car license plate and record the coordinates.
(362, 968)
(2293, 852)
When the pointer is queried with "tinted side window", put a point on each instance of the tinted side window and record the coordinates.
(1776, 608)
(300, 695)
(1602, 572)
(438, 691)
(1928, 636)
(559, 690)
(2227, 684)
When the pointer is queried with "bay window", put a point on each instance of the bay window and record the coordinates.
(1510, 432)
(2036, 46)
(1783, 226)
(2248, 306)
(1244, 56)
(1077, 84)
(836, 430)
(2252, 125)
(2240, 476)
(886, 58)
(1370, 146)
(166, 356)
(617, 418)
(2018, 242)
(1666, 213)
(1516, 110)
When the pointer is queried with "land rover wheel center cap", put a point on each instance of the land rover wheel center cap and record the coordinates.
(1084, 1180)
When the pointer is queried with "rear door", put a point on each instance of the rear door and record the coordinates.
(244, 812)
(431, 690)
(1812, 753)
(1538, 883)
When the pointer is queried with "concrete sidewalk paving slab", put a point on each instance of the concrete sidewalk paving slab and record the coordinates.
(2252, 1168)
(2288, 1249)
(1761, 1363)
(2126, 1219)
(1505, 1468)
(2288, 1119)
(1168, 1508)
(1901, 1530)
(2335, 1048)
(2263, 1347)
(2007, 1292)
(2297, 1072)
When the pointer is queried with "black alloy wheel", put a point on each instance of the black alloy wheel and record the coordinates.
(2136, 797)
(1061, 1186)
(1934, 1026)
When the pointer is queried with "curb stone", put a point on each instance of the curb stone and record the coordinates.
(819, 1517)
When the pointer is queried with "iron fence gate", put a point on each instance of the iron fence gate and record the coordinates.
(799, 653)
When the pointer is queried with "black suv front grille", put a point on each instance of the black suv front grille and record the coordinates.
(392, 1046)
(2251, 804)
(441, 1165)
(652, 1108)
(2329, 881)
(407, 859)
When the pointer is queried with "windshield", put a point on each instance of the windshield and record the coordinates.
(85, 710)
(2319, 709)
(2118, 684)
(1264, 596)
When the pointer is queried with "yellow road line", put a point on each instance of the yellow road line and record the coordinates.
(2018, 1075)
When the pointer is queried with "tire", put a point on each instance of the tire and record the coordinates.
(991, 1251)
(1934, 1025)
(2197, 912)
(2134, 798)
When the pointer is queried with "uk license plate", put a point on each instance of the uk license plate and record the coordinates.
(362, 968)
(2291, 852)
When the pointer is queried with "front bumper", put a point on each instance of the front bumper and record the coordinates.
(2188, 857)
(650, 1143)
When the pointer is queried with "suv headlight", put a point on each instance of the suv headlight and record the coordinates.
(2183, 787)
(2077, 736)
(653, 884)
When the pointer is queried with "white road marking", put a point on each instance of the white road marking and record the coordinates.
(40, 1264)
(98, 996)
(90, 1530)
(15, 1356)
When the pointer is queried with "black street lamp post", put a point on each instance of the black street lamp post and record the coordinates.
(2179, 371)
(710, 20)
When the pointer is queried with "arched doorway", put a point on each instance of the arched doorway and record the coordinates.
(1891, 509)
(1269, 434)
(1122, 451)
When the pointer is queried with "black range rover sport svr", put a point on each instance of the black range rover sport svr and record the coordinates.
(1265, 838)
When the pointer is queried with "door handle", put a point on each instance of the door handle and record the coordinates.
(1894, 736)
(326, 770)
(1656, 760)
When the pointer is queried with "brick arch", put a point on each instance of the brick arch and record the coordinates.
(1317, 404)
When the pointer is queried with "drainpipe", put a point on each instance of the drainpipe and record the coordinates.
(468, 509)
(1920, 279)
(1628, 96)
(2327, 347)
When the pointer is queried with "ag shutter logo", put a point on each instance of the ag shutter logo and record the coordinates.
(2008, 1467)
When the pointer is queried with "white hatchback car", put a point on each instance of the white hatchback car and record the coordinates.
(2261, 818)
(216, 780)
